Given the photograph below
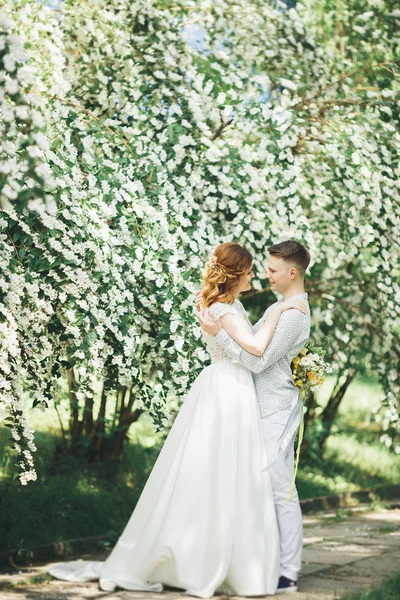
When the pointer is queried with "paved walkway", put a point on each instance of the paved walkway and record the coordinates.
(344, 551)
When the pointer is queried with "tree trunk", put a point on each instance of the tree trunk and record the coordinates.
(88, 415)
(118, 405)
(63, 434)
(75, 423)
(309, 417)
(330, 411)
(98, 429)
(126, 418)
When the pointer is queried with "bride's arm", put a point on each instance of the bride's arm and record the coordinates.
(256, 343)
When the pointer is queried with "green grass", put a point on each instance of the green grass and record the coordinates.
(389, 590)
(359, 400)
(354, 458)
(70, 499)
(33, 580)
(340, 515)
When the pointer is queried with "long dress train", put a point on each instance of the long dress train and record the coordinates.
(206, 520)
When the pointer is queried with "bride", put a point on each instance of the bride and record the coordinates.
(205, 521)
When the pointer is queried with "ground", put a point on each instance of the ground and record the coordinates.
(344, 552)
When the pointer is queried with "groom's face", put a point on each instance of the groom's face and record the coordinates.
(278, 274)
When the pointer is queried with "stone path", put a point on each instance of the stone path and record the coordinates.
(344, 551)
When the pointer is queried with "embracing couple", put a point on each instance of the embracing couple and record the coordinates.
(220, 511)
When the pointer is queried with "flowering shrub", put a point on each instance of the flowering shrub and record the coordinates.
(129, 150)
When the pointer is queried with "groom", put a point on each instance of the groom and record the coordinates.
(279, 401)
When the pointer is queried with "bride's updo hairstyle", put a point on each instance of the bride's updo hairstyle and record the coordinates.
(229, 262)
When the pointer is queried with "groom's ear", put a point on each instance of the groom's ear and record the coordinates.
(293, 272)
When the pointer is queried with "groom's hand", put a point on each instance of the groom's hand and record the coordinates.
(210, 325)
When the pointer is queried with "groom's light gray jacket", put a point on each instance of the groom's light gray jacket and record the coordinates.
(272, 371)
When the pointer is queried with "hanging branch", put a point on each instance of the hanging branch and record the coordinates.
(85, 110)
(307, 101)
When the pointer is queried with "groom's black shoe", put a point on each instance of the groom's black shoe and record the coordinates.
(286, 585)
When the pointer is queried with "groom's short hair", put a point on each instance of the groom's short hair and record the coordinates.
(292, 251)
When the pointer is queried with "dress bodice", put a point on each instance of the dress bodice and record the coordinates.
(217, 310)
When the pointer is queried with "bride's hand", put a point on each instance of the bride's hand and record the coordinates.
(297, 304)
(209, 324)
(198, 300)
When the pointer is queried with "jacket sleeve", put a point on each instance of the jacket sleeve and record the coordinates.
(287, 333)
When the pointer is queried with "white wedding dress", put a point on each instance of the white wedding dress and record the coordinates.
(205, 521)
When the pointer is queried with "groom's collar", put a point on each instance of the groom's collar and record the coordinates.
(304, 294)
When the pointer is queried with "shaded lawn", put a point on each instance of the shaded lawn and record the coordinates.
(71, 500)
(388, 590)
(354, 460)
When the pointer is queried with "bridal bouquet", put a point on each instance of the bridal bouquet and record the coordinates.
(309, 368)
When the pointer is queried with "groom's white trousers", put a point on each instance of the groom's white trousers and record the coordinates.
(288, 512)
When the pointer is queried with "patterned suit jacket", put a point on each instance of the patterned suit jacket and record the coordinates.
(272, 371)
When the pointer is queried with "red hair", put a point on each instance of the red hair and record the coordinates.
(229, 262)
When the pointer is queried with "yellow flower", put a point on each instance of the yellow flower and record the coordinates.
(298, 383)
(303, 351)
(296, 361)
(311, 376)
